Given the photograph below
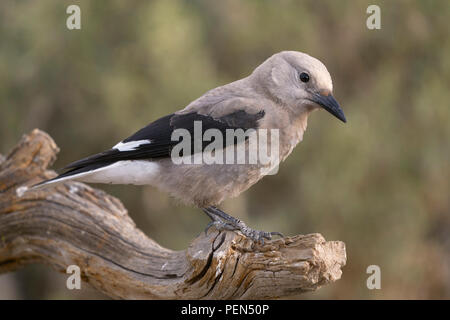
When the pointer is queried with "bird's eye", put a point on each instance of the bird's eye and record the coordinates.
(304, 77)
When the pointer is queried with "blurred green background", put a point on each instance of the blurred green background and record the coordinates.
(380, 183)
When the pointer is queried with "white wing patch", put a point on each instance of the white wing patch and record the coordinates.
(130, 146)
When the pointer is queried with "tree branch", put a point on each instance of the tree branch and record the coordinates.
(74, 224)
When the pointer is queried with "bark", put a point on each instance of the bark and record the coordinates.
(74, 224)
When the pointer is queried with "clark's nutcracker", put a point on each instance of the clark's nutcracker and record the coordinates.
(278, 96)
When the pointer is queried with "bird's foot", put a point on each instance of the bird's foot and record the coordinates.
(223, 221)
(219, 225)
(257, 235)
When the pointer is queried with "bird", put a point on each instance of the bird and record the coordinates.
(278, 96)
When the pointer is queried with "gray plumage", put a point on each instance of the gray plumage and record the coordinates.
(279, 94)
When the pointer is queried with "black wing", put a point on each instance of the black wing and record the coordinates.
(159, 133)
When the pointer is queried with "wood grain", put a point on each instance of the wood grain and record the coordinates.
(73, 223)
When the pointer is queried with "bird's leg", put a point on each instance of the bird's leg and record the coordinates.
(223, 221)
(217, 221)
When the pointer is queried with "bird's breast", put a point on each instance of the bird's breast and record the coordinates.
(292, 135)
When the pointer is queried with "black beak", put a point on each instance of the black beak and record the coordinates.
(330, 104)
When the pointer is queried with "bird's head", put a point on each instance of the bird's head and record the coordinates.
(298, 81)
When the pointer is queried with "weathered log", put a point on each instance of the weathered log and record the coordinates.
(74, 224)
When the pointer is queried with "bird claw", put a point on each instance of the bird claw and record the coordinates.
(259, 236)
(255, 235)
(208, 226)
(223, 221)
(275, 233)
(219, 225)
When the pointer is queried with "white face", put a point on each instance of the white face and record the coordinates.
(320, 78)
(299, 81)
(296, 75)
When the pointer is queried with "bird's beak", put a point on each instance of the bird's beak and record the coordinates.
(329, 103)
